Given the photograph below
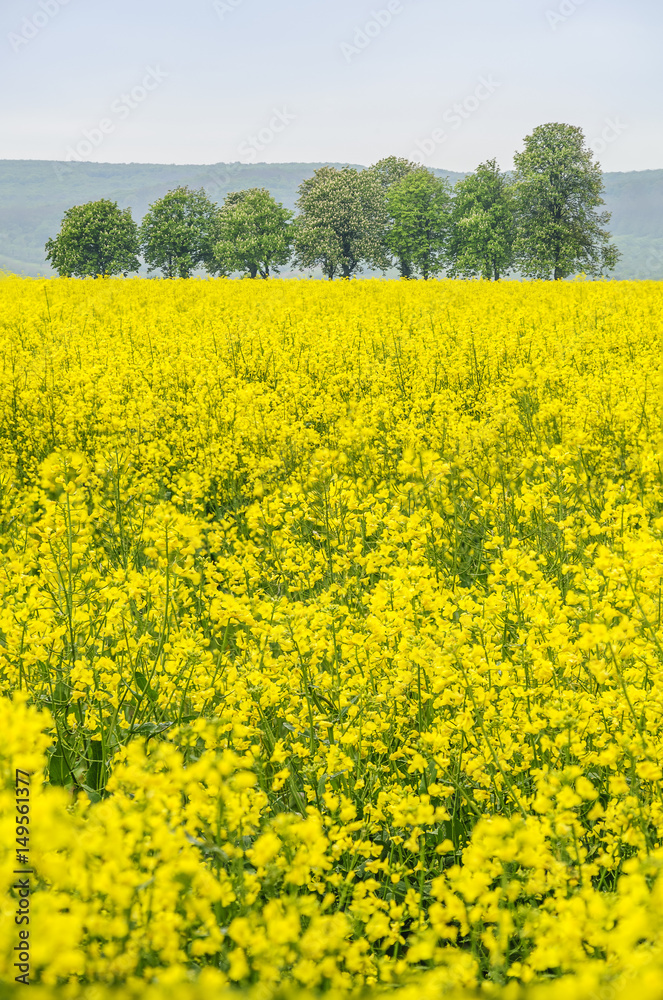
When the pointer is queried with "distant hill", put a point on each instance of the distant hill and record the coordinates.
(35, 193)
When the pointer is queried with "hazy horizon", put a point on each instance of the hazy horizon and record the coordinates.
(254, 163)
(219, 81)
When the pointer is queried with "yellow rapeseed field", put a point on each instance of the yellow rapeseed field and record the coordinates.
(331, 638)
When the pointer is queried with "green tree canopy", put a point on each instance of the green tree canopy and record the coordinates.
(341, 223)
(482, 224)
(252, 234)
(558, 189)
(177, 232)
(97, 238)
(419, 209)
(392, 169)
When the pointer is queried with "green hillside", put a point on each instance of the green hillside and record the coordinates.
(35, 193)
(636, 202)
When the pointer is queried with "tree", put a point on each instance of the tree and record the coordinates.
(95, 239)
(341, 223)
(252, 234)
(558, 189)
(419, 206)
(177, 233)
(390, 171)
(482, 224)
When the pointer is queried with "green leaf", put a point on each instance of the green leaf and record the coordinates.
(144, 685)
(91, 793)
(152, 728)
(94, 776)
(58, 772)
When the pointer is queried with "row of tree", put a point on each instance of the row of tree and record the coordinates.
(543, 220)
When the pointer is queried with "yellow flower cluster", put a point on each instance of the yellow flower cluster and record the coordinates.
(330, 635)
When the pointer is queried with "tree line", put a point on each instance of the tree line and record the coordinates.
(542, 220)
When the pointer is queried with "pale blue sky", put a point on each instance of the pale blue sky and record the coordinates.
(447, 83)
